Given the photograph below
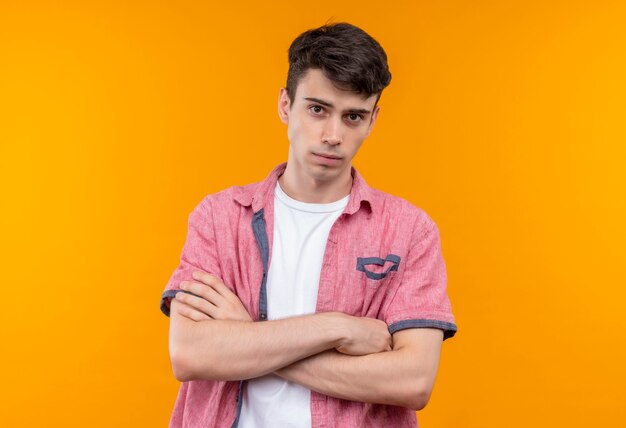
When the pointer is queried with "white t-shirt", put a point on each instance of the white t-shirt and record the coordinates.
(300, 234)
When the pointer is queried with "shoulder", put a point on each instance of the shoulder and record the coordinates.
(230, 197)
(406, 214)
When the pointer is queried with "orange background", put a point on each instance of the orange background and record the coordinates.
(505, 121)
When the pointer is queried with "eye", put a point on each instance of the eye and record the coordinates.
(316, 109)
(353, 117)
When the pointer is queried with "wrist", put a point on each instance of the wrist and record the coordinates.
(336, 325)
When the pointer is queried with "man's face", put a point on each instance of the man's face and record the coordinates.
(325, 126)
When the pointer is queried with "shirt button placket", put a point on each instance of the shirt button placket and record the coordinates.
(326, 282)
(325, 294)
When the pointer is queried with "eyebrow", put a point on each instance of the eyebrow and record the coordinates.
(328, 104)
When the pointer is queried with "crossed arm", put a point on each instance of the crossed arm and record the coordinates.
(213, 337)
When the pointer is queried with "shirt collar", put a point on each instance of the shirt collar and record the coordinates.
(258, 196)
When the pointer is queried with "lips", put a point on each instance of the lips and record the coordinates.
(327, 156)
(327, 159)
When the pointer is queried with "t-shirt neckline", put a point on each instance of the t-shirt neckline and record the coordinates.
(310, 207)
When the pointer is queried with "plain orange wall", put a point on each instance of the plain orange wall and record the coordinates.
(505, 121)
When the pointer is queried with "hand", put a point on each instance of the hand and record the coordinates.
(213, 300)
(365, 336)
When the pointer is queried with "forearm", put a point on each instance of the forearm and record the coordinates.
(235, 350)
(385, 378)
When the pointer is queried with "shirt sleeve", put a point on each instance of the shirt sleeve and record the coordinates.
(199, 253)
(421, 299)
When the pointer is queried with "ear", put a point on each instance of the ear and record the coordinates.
(374, 116)
(284, 106)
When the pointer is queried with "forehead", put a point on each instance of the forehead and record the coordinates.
(314, 84)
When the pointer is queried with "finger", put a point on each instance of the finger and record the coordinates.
(197, 303)
(202, 290)
(207, 278)
(189, 312)
(216, 283)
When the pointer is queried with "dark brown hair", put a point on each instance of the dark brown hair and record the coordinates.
(347, 55)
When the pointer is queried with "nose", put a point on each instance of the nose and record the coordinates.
(332, 132)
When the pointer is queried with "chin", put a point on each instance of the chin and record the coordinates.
(322, 172)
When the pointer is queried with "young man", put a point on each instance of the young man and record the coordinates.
(310, 298)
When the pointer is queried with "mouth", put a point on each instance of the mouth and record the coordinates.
(327, 156)
(327, 159)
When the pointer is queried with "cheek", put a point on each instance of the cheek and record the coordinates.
(290, 133)
(356, 142)
(293, 132)
(299, 132)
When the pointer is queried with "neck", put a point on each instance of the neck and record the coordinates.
(306, 189)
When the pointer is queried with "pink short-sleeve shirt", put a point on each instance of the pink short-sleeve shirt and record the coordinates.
(382, 260)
